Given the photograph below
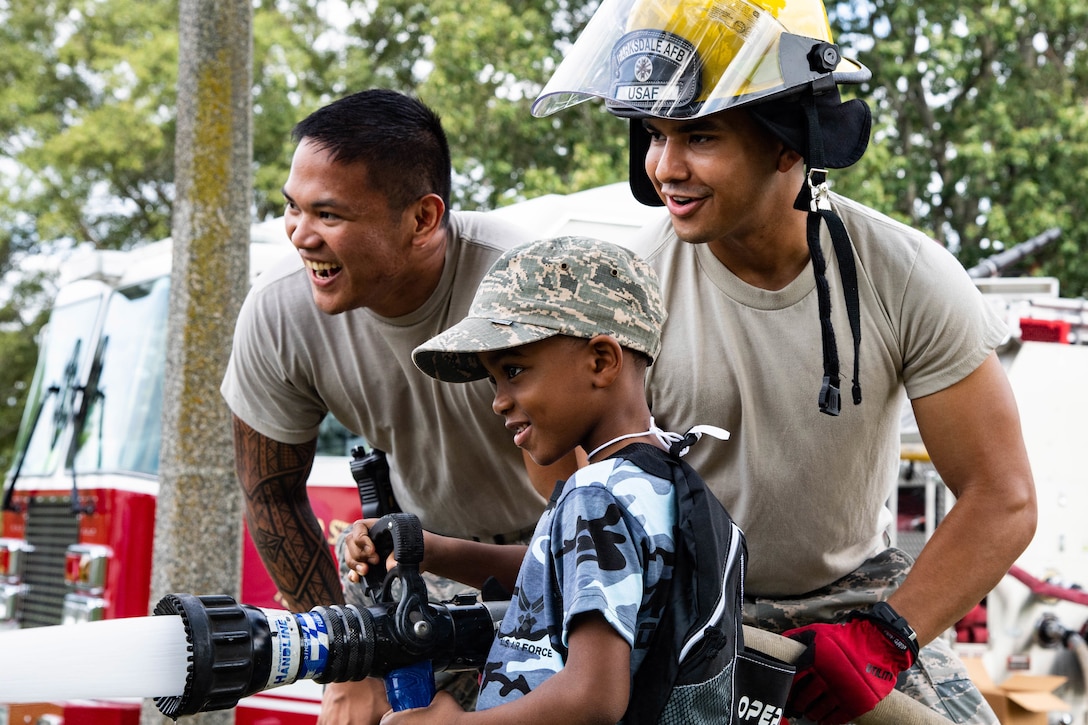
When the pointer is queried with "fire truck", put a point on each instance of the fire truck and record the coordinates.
(78, 513)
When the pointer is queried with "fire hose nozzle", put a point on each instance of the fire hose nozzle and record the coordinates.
(236, 650)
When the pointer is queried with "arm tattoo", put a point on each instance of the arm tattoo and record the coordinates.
(280, 520)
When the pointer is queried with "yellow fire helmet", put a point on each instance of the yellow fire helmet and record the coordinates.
(684, 59)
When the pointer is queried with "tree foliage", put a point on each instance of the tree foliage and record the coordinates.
(19, 351)
(980, 119)
(479, 66)
(88, 99)
(981, 123)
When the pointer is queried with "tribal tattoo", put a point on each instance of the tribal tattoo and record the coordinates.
(280, 520)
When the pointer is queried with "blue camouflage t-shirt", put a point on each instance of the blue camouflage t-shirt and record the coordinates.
(605, 544)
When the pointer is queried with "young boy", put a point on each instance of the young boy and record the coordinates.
(565, 329)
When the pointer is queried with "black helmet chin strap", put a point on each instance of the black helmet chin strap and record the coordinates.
(815, 199)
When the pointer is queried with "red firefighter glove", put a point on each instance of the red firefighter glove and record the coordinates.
(847, 669)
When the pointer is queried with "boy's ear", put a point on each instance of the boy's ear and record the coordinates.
(607, 359)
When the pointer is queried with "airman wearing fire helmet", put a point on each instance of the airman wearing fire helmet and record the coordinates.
(735, 119)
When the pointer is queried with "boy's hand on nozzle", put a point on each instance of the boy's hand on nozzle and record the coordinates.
(361, 554)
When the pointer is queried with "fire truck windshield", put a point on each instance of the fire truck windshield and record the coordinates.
(119, 425)
(96, 398)
(62, 362)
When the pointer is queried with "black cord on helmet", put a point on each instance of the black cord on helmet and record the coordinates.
(813, 198)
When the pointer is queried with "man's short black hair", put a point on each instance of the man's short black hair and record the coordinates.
(397, 137)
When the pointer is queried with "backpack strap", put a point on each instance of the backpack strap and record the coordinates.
(693, 630)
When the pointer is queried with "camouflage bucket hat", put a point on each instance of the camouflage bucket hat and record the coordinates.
(572, 286)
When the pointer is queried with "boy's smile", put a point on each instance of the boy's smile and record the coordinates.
(541, 393)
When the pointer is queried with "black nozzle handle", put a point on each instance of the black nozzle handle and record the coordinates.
(401, 535)
(416, 623)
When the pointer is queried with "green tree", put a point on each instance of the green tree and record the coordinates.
(480, 65)
(87, 99)
(89, 102)
(297, 66)
(980, 126)
(510, 154)
(19, 351)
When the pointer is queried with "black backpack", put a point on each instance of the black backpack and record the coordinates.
(697, 669)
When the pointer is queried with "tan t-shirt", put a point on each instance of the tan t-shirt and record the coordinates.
(807, 488)
(451, 460)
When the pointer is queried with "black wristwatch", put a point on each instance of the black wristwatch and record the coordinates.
(883, 612)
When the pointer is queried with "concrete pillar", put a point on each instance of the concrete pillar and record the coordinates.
(198, 525)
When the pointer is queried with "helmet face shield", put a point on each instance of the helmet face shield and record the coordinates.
(684, 58)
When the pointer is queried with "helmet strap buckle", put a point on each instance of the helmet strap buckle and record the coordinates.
(819, 190)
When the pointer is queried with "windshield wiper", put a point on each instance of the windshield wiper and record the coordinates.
(89, 394)
(10, 491)
(64, 413)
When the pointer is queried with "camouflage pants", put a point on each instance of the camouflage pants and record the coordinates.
(938, 678)
(464, 686)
